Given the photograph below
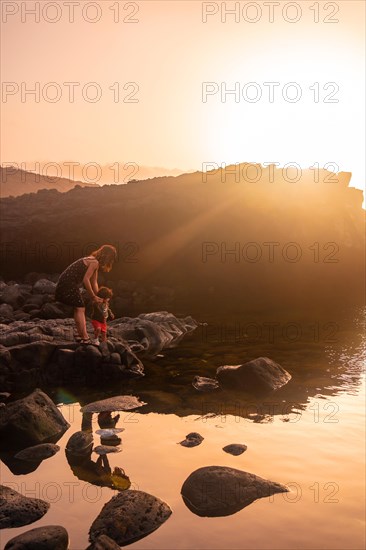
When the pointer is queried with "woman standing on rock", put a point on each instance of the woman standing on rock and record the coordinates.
(84, 271)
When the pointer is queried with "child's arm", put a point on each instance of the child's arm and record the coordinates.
(110, 313)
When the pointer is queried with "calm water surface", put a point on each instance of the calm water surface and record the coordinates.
(309, 435)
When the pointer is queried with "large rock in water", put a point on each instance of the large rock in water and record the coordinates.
(48, 537)
(129, 516)
(17, 510)
(221, 491)
(258, 375)
(31, 420)
(111, 404)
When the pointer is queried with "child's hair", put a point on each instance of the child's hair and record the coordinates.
(106, 255)
(105, 292)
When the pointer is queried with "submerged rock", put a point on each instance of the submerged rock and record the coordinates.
(38, 452)
(259, 375)
(17, 510)
(192, 440)
(214, 491)
(129, 516)
(31, 420)
(47, 537)
(118, 403)
(202, 383)
(235, 449)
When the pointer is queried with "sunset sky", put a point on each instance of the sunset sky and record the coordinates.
(169, 52)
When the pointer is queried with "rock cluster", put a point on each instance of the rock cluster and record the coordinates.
(43, 351)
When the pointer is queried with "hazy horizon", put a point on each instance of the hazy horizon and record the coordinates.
(186, 75)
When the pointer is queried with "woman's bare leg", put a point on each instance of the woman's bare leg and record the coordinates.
(79, 317)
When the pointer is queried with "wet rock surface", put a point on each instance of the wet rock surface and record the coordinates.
(118, 403)
(256, 376)
(202, 383)
(192, 440)
(37, 344)
(31, 420)
(38, 452)
(17, 510)
(235, 449)
(214, 491)
(48, 537)
(129, 516)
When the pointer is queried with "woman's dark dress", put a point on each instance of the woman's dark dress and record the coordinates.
(68, 286)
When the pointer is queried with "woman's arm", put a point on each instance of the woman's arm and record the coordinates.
(94, 281)
(88, 280)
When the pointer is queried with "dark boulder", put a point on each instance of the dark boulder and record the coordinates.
(44, 286)
(214, 491)
(259, 375)
(129, 516)
(6, 311)
(52, 311)
(31, 420)
(17, 510)
(192, 440)
(12, 295)
(47, 537)
(235, 449)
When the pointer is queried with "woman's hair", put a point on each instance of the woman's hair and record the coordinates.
(105, 255)
(105, 292)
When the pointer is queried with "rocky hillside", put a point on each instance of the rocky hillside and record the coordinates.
(15, 182)
(216, 238)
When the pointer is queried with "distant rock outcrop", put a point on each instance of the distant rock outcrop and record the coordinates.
(201, 239)
(15, 182)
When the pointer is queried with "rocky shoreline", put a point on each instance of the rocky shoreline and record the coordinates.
(37, 345)
(130, 515)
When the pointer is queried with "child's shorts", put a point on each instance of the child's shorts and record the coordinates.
(102, 326)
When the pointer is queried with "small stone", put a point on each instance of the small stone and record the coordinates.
(235, 449)
(192, 440)
(48, 537)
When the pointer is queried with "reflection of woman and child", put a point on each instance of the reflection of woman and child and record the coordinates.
(98, 472)
(85, 271)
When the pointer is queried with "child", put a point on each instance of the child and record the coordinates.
(100, 314)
